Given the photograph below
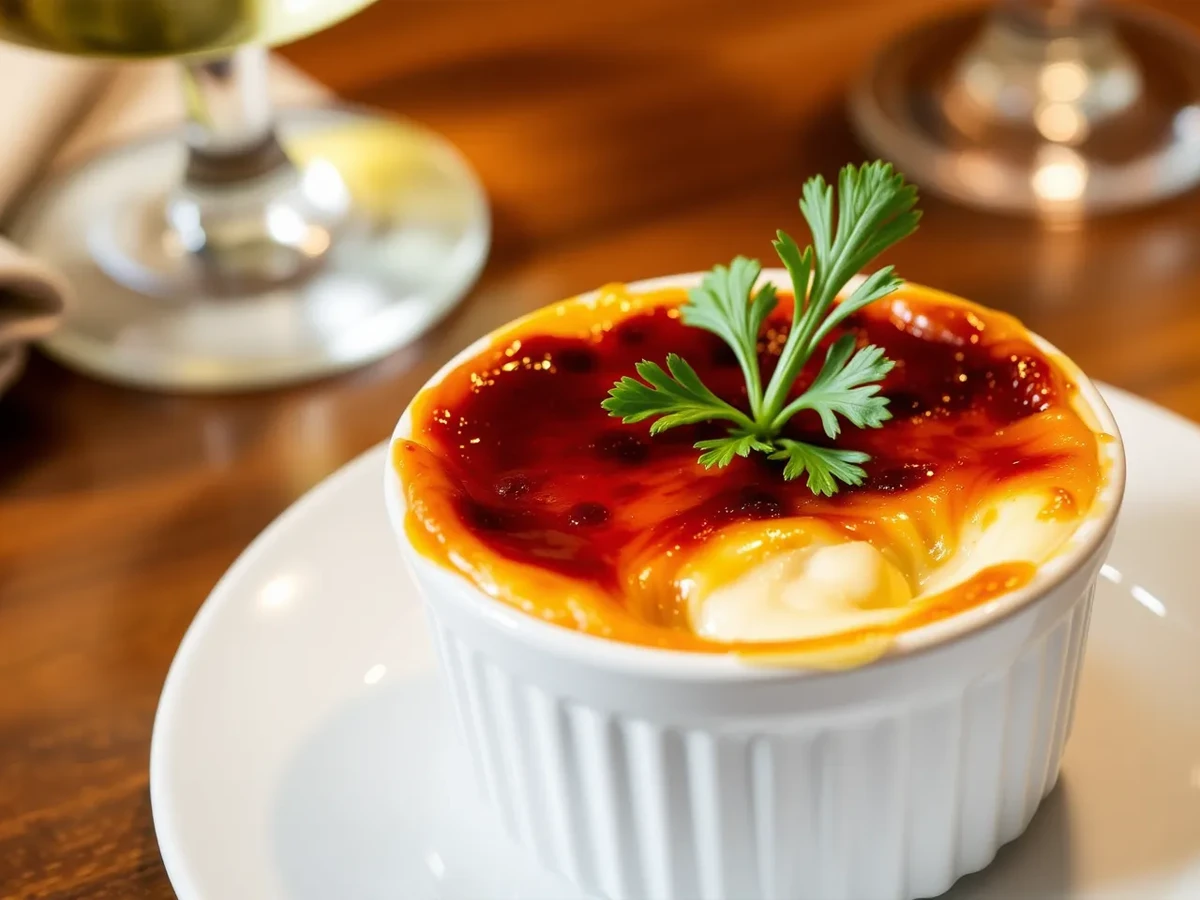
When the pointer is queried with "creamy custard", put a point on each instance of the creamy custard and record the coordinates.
(515, 477)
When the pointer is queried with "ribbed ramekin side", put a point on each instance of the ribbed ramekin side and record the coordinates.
(982, 760)
(887, 803)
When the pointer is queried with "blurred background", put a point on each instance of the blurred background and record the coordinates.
(610, 142)
(623, 140)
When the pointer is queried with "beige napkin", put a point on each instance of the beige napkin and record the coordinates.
(55, 111)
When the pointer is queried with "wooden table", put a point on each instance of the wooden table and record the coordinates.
(618, 140)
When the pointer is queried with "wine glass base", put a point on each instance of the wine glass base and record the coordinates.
(1132, 140)
(413, 243)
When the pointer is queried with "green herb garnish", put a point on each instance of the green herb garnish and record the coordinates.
(875, 210)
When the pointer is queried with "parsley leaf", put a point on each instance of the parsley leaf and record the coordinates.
(681, 398)
(721, 451)
(875, 209)
(719, 305)
(847, 386)
(825, 465)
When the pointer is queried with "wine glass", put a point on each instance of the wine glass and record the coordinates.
(1052, 107)
(250, 247)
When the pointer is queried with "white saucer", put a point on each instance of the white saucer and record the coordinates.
(303, 747)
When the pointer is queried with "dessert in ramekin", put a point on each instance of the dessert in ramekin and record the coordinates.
(680, 682)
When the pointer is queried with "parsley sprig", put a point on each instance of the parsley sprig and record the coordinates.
(875, 209)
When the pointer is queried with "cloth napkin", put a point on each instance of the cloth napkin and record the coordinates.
(54, 112)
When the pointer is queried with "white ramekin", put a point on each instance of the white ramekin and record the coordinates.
(646, 774)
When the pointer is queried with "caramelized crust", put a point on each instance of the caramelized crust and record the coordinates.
(516, 478)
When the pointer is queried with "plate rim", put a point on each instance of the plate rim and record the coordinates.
(162, 810)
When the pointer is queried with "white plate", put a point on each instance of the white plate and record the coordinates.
(303, 747)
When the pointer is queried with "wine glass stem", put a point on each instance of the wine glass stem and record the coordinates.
(247, 216)
(1049, 14)
(230, 130)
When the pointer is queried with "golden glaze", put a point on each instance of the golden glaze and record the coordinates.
(509, 479)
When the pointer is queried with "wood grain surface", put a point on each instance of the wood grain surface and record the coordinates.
(617, 140)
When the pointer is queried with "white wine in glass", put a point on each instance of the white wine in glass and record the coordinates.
(251, 247)
(150, 28)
